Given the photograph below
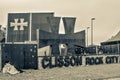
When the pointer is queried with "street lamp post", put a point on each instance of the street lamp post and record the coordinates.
(87, 36)
(92, 30)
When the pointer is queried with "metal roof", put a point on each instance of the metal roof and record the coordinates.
(115, 38)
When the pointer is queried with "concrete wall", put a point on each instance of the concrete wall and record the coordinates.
(44, 50)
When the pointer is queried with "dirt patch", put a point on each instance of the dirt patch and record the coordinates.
(95, 72)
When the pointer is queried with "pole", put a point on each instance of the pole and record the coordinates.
(30, 27)
(118, 47)
(92, 30)
(6, 34)
(87, 35)
(38, 37)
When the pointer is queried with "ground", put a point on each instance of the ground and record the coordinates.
(95, 72)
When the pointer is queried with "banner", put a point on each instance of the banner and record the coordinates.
(18, 27)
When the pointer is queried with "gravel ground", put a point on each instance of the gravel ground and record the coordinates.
(95, 72)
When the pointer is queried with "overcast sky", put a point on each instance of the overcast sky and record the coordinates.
(105, 12)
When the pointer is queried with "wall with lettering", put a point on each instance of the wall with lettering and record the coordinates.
(76, 60)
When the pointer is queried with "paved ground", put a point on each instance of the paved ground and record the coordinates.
(95, 72)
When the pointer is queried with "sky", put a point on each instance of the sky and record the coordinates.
(105, 12)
